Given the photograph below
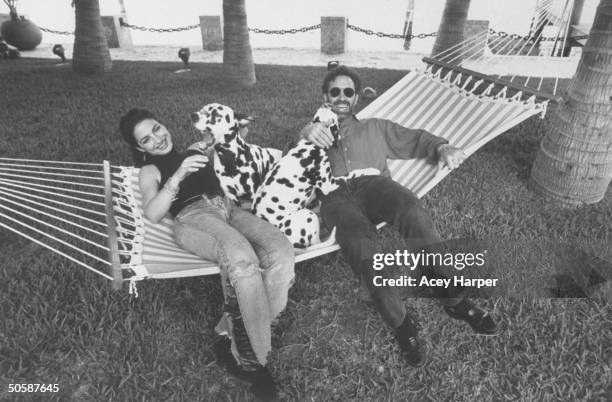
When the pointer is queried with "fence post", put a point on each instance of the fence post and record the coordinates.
(333, 35)
(212, 32)
(473, 28)
(116, 35)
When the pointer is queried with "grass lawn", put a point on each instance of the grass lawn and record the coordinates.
(61, 324)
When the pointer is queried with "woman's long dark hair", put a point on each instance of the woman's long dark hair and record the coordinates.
(126, 128)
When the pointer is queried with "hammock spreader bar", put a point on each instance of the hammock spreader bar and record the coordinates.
(112, 232)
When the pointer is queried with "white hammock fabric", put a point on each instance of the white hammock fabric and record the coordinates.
(420, 100)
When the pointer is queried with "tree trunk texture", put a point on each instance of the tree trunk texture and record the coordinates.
(90, 53)
(237, 54)
(452, 26)
(574, 163)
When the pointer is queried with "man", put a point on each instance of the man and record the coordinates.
(354, 208)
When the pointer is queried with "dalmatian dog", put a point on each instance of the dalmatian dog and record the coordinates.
(294, 180)
(240, 166)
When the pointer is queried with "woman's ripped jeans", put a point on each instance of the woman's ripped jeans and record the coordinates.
(257, 268)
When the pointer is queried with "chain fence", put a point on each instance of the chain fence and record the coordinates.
(140, 28)
(388, 35)
(56, 32)
(285, 31)
(491, 33)
(355, 28)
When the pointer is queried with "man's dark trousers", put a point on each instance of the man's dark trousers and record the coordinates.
(355, 208)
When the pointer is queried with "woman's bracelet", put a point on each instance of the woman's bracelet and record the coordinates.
(171, 189)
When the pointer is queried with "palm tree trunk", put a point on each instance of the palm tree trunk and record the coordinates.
(90, 53)
(574, 163)
(452, 26)
(237, 54)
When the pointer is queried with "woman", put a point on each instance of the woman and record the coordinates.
(256, 260)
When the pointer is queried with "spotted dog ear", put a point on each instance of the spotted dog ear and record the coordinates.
(243, 119)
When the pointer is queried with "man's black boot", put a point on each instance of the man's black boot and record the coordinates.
(409, 342)
(263, 385)
(480, 320)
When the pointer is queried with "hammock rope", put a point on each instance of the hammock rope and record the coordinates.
(63, 207)
(56, 217)
(50, 200)
(11, 193)
(55, 250)
(37, 188)
(50, 236)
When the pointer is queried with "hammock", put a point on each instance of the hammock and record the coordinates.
(92, 215)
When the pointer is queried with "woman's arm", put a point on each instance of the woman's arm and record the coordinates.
(157, 201)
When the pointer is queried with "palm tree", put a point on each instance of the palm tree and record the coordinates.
(574, 163)
(90, 53)
(237, 54)
(452, 25)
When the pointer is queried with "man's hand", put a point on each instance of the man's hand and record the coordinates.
(319, 134)
(450, 156)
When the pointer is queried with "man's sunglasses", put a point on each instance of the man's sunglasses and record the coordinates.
(348, 92)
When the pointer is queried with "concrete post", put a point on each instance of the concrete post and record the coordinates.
(212, 32)
(333, 35)
(116, 35)
(474, 28)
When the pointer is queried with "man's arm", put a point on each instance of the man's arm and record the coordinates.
(406, 143)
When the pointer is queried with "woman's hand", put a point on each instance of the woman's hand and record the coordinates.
(190, 164)
(157, 201)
